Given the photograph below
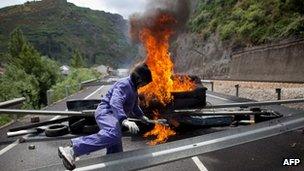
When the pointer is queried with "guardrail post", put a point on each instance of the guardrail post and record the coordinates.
(49, 97)
(15, 117)
(67, 90)
(79, 86)
(212, 86)
(237, 90)
(278, 91)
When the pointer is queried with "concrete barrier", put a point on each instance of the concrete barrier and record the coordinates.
(283, 62)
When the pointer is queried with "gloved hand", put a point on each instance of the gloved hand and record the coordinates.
(133, 128)
(145, 119)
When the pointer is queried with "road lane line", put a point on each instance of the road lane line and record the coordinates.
(94, 92)
(90, 167)
(199, 164)
(9, 147)
(56, 117)
(217, 97)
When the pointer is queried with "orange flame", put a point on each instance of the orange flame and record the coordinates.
(156, 42)
(161, 132)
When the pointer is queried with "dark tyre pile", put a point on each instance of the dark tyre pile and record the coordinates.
(82, 124)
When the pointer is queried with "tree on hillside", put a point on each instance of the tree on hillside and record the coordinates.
(22, 54)
(295, 5)
(77, 60)
(3, 58)
(249, 22)
(25, 57)
(16, 83)
(16, 43)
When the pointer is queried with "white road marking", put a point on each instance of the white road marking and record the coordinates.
(7, 148)
(217, 97)
(94, 92)
(91, 167)
(199, 164)
(56, 117)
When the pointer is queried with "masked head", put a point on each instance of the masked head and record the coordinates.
(141, 75)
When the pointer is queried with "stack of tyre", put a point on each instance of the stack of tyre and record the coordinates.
(82, 124)
(79, 125)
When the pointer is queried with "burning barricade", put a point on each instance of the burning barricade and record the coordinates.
(155, 30)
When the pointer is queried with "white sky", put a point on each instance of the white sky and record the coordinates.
(122, 7)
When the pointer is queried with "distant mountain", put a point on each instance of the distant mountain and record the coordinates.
(56, 28)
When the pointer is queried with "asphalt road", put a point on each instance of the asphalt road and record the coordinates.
(265, 154)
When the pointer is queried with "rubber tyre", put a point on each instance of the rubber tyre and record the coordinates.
(76, 127)
(74, 119)
(56, 130)
(86, 125)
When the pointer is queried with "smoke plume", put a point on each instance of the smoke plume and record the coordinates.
(177, 12)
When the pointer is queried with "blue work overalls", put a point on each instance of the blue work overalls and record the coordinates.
(120, 102)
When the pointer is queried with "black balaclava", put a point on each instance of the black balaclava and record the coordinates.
(141, 73)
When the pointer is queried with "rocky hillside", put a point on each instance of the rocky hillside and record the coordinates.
(219, 28)
(57, 28)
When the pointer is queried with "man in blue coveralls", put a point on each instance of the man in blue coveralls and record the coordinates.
(120, 102)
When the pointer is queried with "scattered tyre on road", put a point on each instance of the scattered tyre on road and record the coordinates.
(56, 130)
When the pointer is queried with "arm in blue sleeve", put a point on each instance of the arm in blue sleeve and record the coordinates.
(137, 111)
(117, 100)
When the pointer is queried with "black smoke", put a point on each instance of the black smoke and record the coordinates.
(177, 10)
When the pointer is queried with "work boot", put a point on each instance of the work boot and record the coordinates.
(67, 156)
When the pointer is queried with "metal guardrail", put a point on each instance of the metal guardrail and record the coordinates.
(49, 93)
(237, 88)
(47, 112)
(91, 112)
(181, 149)
(209, 82)
(194, 112)
(100, 82)
(248, 104)
(87, 83)
(14, 103)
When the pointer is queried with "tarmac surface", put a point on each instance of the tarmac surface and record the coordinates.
(265, 154)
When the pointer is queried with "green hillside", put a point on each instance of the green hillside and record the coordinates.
(57, 28)
(249, 22)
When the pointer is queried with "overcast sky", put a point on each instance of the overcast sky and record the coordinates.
(122, 7)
